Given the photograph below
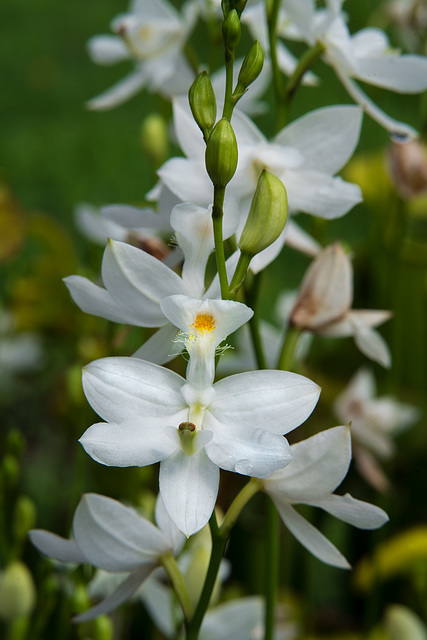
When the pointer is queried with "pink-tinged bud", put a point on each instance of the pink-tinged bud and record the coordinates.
(408, 167)
(326, 292)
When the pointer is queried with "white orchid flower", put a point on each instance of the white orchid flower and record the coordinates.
(134, 225)
(305, 155)
(116, 539)
(324, 304)
(365, 56)
(153, 35)
(319, 465)
(194, 427)
(254, 17)
(136, 282)
(374, 421)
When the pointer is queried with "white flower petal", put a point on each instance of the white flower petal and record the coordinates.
(167, 525)
(134, 217)
(119, 93)
(114, 537)
(106, 50)
(325, 137)
(355, 512)
(239, 619)
(246, 450)
(321, 195)
(138, 281)
(188, 180)
(404, 74)
(160, 347)
(120, 388)
(277, 401)
(123, 592)
(310, 537)
(98, 302)
(319, 465)
(373, 346)
(189, 488)
(188, 134)
(299, 239)
(394, 127)
(136, 442)
(56, 547)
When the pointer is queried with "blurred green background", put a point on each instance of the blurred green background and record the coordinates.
(55, 154)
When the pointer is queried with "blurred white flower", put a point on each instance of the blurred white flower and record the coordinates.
(116, 539)
(365, 56)
(374, 421)
(152, 34)
(319, 465)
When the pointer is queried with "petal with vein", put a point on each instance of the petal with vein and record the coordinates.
(277, 401)
(319, 465)
(137, 442)
(114, 537)
(326, 137)
(119, 388)
(189, 488)
(245, 450)
(98, 302)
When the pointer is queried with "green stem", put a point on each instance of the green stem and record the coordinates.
(218, 547)
(272, 9)
(240, 272)
(251, 300)
(229, 102)
(217, 215)
(249, 490)
(286, 358)
(272, 563)
(219, 540)
(303, 65)
(178, 583)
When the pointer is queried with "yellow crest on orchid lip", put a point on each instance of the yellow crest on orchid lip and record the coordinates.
(204, 323)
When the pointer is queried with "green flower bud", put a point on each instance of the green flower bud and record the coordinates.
(231, 30)
(221, 153)
(202, 101)
(17, 591)
(80, 600)
(10, 470)
(154, 138)
(103, 628)
(267, 215)
(24, 517)
(250, 69)
(226, 7)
